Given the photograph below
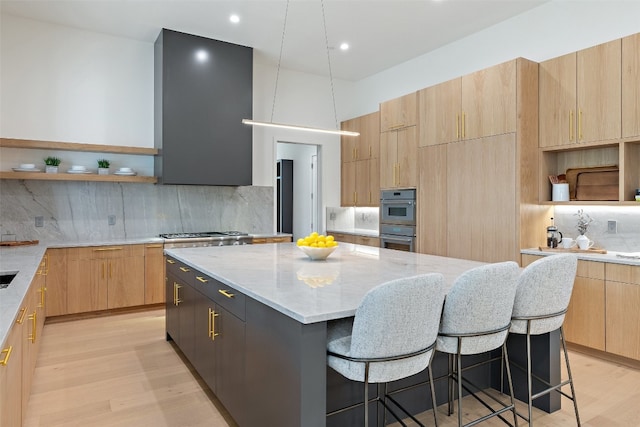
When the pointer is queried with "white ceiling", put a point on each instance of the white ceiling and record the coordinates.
(381, 33)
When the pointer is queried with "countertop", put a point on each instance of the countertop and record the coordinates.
(283, 278)
(610, 256)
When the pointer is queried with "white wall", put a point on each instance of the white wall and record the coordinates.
(550, 30)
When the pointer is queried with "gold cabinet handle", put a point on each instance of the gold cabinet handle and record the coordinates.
(7, 355)
(20, 319)
(34, 319)
(226, 293)
(170, 261)
(176, 294)
(212, 324)
(396, 126)
(103, 267)
(110, 270)
(580, 125)
(107, 249)
(185, 269)
(463, 125)
(42, 291)
(570, 125)
(201, 279)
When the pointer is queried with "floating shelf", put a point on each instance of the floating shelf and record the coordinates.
(62, 176)
(69, 146)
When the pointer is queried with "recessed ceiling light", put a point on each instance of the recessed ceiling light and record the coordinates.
(202, 55)
(234, 18)
(344, 46)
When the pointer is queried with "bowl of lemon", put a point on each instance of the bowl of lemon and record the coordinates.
(317, 246)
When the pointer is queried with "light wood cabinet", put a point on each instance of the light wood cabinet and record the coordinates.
(11, 358)
(477, 105)
(432, 200)
(360, 174)
(580, 96)
(366, 241)
(398, 158)
(154, 285)
(275, 239)
(342, 237)
(622, 315)
(399, 112)
(100, 278)
(56, 281)
(631, 86)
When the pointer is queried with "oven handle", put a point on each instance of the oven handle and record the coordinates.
(397, 202)
(400, 239)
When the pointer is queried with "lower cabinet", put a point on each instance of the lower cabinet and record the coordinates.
(275, 239)
(154, 273)
(206, 321)
(11, 378)
(603, 312)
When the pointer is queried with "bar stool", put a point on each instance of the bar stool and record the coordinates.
(542, 298)
(475, 320)
(391, 337)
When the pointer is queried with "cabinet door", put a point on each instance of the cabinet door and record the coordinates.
(206, 360)
(231, 361)
(631, 86)
(348, 143)
(30, 342)
(558, 97)
(388, 159)
(489, 101)
(368, 145)
(407, 168)
(399, 112)
(187, 299)
(56, 279)
(11, 378)
(439, 113)
(154, 292)
(584, 323)
(86, 285)
(362, 191)
(374, 182)
(348, 184)
(172, 318)
(432, 200)
(125, 282)
(481, 177)
(599, 92)
(623, 319)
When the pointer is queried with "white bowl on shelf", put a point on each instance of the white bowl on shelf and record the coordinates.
(78, 168)
(317, 254)
(125, 170)
(27, 166)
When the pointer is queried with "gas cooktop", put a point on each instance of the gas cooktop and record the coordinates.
(206, 238)
(202, 234)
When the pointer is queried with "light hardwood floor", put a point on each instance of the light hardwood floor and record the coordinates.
(119, 371)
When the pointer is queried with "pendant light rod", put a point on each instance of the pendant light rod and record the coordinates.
(302, 128)
(335, 131)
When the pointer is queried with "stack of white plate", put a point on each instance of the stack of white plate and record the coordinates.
(125, 172)
(26, 167)
(78, 169)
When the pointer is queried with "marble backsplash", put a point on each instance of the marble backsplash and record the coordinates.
(79, 210)
(352, 218)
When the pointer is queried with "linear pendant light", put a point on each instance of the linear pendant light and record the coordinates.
(335, 131)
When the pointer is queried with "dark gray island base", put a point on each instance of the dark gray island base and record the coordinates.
(264, 355)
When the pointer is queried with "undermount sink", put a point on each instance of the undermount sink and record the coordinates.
(6, 277)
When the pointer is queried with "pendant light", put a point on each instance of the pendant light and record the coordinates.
(271, 123)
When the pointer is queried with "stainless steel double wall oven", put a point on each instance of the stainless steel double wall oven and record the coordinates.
(398, 219)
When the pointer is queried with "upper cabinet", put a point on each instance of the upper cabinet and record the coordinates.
(631, 86)
(360, 171)
(473, 106)
(580, 96)
(399, 112)
(203, 90)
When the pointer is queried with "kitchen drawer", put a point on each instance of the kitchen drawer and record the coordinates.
(180, 270)
(623, 273)
(104, 252)
(367, 241)
(225, 296)
(590, 269)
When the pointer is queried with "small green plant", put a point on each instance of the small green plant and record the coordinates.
(103, 163)
(583, 221)
(52, 161)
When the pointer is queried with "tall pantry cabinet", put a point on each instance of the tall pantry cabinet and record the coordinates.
(398, 142)
(477, 193)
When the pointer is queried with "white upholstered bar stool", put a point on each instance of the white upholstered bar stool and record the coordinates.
(542, 298)
(475, 320)
(391, 337)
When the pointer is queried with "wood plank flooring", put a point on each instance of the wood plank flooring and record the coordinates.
(118, 370)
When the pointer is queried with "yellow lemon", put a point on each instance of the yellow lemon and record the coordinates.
(330, 238)
(321, 244)
(300, 242)
(314, 234)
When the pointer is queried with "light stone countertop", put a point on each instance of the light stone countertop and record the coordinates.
(610, 256)
(283, 278)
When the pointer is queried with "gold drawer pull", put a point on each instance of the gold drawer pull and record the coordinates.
(226, 293)
(185, 269)
(170, 261)
(7, 355)
(154, 246)
(201, 279)
(33, 317)
(107, 249)
(20, 319)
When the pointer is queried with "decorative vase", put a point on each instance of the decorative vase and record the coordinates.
(584, 242)
(51, 169)
(103, 171)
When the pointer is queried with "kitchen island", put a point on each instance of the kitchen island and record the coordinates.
(269, 305)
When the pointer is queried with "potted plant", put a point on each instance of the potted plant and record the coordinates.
(51, 164)
(103, 167)
(583, 224)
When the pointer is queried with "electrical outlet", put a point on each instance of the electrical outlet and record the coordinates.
(332, 216)
(112, 219)
(612, 226)
(39, 221)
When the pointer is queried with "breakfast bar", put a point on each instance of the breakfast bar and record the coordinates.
(269, 305)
